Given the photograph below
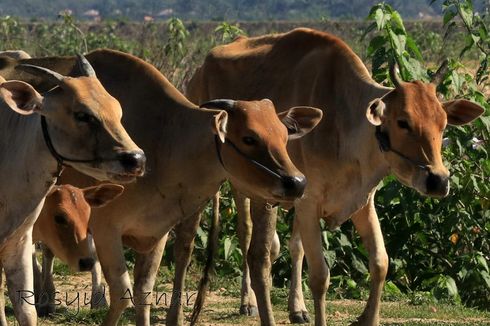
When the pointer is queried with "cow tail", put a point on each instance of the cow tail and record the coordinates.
(211, 249)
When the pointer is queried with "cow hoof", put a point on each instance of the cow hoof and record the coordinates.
(299, 317)
(361, 321)
(249, 310)
(44, 311)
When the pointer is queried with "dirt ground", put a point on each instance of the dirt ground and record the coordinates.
(221, 308)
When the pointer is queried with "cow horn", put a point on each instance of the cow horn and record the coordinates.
(222, 104)
(85, 67)
(438, 76)
(395, 78)
(51, 75)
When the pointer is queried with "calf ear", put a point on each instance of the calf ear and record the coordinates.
(21, 97)
(219, 125)
(375, 112)
(100, 195)
(460, 112)
(300, 120)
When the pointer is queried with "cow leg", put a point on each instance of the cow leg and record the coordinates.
(3, 318)
(98, 299)
(367, 224)
(184, 245)
(264, 218)
(296, 302)
(145, 273)
(18, 270)
(111, 257)
(46, 295)
(37, 273)
(319, 274)
(244, 229)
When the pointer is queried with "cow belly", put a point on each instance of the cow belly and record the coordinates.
(339, 204)
(141, 244)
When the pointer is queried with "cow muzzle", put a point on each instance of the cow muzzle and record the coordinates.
(294, 186)
(86, 264)
(133, 163)
(437, 185)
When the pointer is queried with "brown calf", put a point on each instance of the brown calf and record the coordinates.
(63, 230)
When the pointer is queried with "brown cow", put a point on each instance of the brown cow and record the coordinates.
(75, 121)
(341, 157)
(191, 150)
(62, 228)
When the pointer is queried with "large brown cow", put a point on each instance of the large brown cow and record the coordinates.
(190, 152)
(341, 157)
(75, 121)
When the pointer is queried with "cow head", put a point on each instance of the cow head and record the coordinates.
(81, 120)
(63, 223)
(251, 144)
(410, 122)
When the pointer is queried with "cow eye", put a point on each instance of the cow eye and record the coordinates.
(60, 219)
(249, 141)
(404, 125)
(84, 117)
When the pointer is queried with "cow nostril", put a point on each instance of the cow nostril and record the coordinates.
(294, 186)
(132, 160)
(86, 264)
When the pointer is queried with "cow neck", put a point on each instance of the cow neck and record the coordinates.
(367, 139)
(27, 167)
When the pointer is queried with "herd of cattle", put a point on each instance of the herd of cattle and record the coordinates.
(68, 123)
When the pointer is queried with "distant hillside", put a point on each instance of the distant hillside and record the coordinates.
(217, 9)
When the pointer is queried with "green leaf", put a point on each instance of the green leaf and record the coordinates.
(466, 14)
(227, 247)
(449, 15)
(486, 278)
(359, 265)
(375, 44)
(399, 42)
(351, 283)
(412, 46)
(392, 289)
(396, 18)
(452, 289)
(344, 242)
(381, 18)
(482, 262)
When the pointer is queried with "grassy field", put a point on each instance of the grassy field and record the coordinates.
(222, 305)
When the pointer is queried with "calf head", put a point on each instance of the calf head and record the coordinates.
(81, 123)
(410, 122)
(63, 223)
(251, 141)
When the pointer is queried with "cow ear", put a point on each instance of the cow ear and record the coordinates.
(460, 112)
(220, 123)
(100, 195)
(375, 112)
(300, 120)
(21, 97)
